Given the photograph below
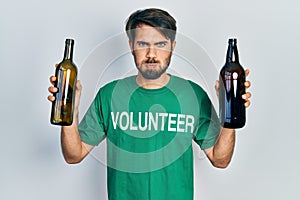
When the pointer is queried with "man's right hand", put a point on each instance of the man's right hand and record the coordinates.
(74, 150)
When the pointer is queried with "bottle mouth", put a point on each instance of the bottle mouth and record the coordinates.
(69, 41)
(232, 40)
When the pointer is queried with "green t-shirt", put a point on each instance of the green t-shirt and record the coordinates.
(149, 136)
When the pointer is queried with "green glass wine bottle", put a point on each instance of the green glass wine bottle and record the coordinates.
(231, 88)
(66, 78)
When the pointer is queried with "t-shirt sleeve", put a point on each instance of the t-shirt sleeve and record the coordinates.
(91, 128)
(208, 126)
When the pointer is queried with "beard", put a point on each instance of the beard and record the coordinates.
(157, 71)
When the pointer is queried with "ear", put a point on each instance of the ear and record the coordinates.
(131, 46)
(174, 44)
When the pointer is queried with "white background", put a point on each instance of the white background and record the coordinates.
(266, 161)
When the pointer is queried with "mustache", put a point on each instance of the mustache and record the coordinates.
(151, 61)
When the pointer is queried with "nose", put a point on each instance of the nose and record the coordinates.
(151, 52)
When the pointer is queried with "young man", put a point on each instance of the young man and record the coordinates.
(149, 120)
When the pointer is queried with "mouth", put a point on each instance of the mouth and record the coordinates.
(151, 65)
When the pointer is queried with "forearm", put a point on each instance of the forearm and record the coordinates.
(223, 150)
(71, 142)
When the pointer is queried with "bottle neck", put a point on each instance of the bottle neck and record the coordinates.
(232, 52)
(68, 55)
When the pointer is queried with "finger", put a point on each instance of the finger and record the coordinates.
(78, 85)
(247, 72)
(247, 104)
(247, 84)
(78, 93)
(246, 96)
(217, 85)
(52, 89)
(52, 79)
(78, 88)
(56, 65)
(51, 98)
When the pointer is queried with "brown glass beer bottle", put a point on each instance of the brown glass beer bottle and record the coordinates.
(66, 77)
(232, 78)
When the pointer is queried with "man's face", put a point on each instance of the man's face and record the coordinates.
(152, 51)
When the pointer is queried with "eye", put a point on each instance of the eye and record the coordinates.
(142, 44)
(161, 44)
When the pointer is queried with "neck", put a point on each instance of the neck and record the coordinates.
(153, 83)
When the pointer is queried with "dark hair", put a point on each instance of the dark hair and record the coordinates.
(157, 18)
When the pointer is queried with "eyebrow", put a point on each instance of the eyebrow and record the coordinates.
(142, 42)
(139, 41)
